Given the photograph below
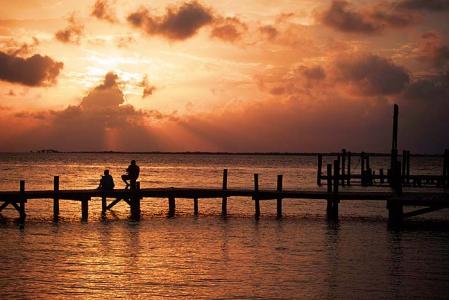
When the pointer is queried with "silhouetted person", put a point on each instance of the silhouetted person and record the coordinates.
(132, 173)
(106, 182)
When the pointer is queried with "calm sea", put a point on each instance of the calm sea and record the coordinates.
(302, 256)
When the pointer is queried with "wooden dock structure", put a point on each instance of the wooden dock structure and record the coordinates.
(395, 202)
(338, 175)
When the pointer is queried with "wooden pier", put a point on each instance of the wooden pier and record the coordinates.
(427, 201)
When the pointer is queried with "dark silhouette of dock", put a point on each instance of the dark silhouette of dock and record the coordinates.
(338, 175)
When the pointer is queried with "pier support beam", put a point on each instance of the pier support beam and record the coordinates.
(195, 206)
(224, 200)
(395, 211)
(56, 199)
(171, 206)
(135, 201)
(22, 201)
(279, 200)
(320, 164)
(85, 209)
(256, 197)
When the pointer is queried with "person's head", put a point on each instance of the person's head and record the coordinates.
(133, 162)
(106, 172)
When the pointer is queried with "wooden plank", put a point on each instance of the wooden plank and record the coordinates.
(422, 211)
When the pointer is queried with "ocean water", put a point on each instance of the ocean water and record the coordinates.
(302, 256)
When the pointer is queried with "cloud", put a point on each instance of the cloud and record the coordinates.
(342, 16)
(433, 50)
(36, 70)
(370, 75)
(15, 48)
(269, 32)
(178, 23)
(229, 29)
(148, 89)
(72, 33)
(428, 5)
(102, 10)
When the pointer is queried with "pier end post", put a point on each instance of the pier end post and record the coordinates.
(348, 173)
(279, 199)
(171, 206)
(343, 167)
(329, 189)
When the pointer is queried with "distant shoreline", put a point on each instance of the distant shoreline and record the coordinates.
(379, 154)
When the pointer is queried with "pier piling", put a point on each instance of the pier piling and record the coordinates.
(320, 164)
(85, 209)
(224, 200)
(171, 206)
(195, 206)
(22, 201)
(56, 199)
(329, 189)
(135, 201)
(279, 199)
(256, 197)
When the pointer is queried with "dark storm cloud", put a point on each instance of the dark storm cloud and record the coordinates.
(72, 33)
(102, 10)
(342, 16)
(371, 75)
(178, 23)
(428, 5)
(36, 70)
(229, 29)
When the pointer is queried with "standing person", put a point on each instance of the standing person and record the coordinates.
(132, 173)
(106, 182)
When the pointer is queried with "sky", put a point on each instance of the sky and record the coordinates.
(225, 76)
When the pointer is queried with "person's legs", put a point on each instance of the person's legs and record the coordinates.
(125, 179)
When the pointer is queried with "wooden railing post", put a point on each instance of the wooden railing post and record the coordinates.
(224, 200)
(56, 199)
(256, 196)
(279, 199)
(343, 167)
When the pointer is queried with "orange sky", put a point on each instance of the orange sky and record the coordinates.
(260, 75)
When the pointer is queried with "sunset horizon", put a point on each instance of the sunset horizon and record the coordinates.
(298, 76)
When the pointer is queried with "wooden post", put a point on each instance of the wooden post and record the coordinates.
(56, 198)
(349, 168)
(343, 167)
(135, 201)
(362, 164)
(22, 201)
(318, 175)
(394, 146)
(84, 209)
(256, 196)
(224, 200)
(171, 206)
(335, 199)
(279, 199)
(195, 206)
(329, 189)
(104, 204)
(404, 165)
(445, 182)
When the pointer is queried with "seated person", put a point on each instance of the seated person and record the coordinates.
(106, 182)
(132, 173)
